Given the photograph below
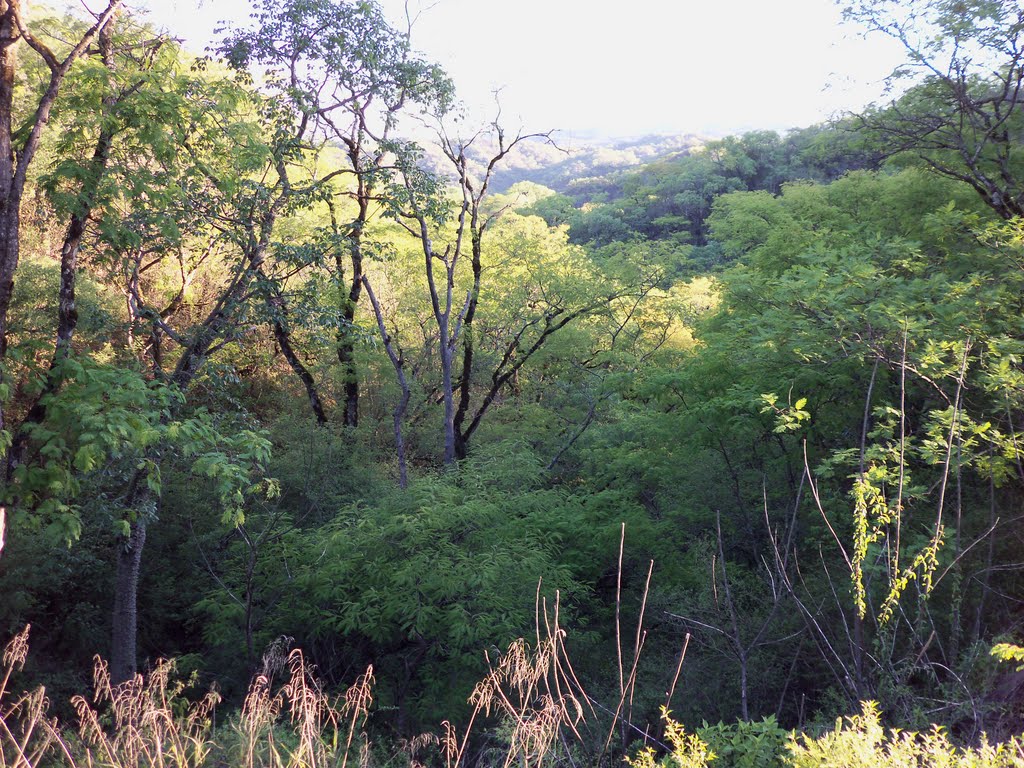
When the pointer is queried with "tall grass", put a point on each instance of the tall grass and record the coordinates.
(532, 690)
(146, 723)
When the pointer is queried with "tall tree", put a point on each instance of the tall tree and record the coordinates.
(965, 117)
(18, 147)
(347, 76)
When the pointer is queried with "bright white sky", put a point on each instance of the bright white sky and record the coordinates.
(625, 68)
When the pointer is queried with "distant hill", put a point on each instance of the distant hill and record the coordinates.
(559, 166)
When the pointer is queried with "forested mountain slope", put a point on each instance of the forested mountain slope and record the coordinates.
(565, 162)
(725, 427)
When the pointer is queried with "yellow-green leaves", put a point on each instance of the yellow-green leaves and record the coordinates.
(688, 749)
(106, 426)
(788, 418)
(1009, 652)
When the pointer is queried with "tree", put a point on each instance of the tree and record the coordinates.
(104, 99)
(347, 76)
(539, 286)
(965, 118)
(897, 287)
(174, 149)
(18, 147)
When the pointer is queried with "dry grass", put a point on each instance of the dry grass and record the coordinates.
(530, 689)
(146, 729)
(145, 723)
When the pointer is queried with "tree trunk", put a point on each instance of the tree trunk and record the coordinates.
(449, 398)
(123, 664)
(10, 196)
(468, 340)
(350, 300)
(347, 336)
(279, 321)
(284, 342)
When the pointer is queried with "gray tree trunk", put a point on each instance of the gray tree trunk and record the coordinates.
(123, 661)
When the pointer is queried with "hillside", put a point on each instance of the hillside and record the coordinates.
(560, 164)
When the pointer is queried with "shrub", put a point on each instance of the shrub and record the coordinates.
(760, 744)
(862, 741)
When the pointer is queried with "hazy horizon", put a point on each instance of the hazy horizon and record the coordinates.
(596, 73)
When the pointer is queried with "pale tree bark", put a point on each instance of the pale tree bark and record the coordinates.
(17, 156)
(67, 312)
(465, 401)
(442, 300)
(454, 325)
(398, 362)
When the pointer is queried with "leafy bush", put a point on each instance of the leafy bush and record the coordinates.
(689, 750)
(862, 741)
(760, 744)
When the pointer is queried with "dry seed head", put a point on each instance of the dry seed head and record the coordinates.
(200, 713)
(514, 658)
(275, 658)
(156, 687)
(126, 701)
(419, 742)
(449, 742)
(535, 731)
(482, 696)
(101, 687)
(259, 708)
(16, 651)
(359, 697)
(88, 721)
(35, 704)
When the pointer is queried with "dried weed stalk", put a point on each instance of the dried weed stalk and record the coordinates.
(316, 720)
(26, 734)
(149, 728)
(533, 690)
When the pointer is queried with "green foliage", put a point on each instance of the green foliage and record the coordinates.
(113, 426)
(967, 63)
(1008, 652)
(861, 740)
(421, 581)
(816, 439)
(670, 200)
(789, 418)
(689, 750)
(753, 744)
(102, 420)
(362, 53)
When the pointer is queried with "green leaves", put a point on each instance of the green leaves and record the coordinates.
(426, 578)
(1008, 652)
(327, 54)
(787, 419)
(110, 423)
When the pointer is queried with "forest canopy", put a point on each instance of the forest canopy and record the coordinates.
(734, 428)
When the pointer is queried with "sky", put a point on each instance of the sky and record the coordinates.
(624, 68)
